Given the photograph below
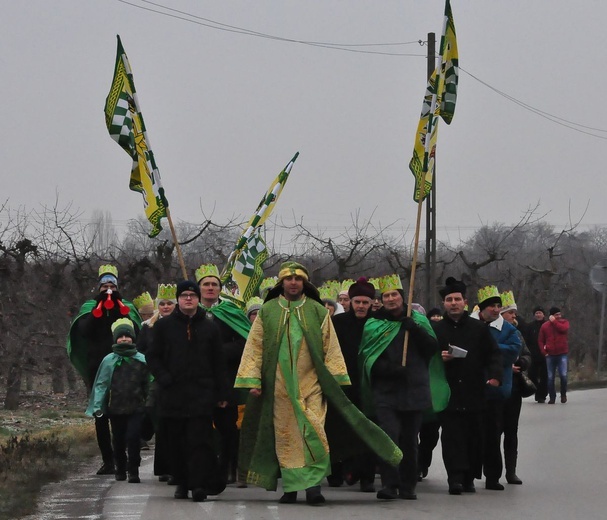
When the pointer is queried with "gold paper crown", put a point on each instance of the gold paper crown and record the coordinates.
(329, 289)
(256, 300)
(508, 299)
(390, 282)
(166, 291)
(143, 299)
(206, 270)
(490, 291)
(345, 285)
(108, 269)
(268, 283)
(374, 282)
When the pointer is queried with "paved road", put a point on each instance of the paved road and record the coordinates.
(562, 461)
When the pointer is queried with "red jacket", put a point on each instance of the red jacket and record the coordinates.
(553, 337)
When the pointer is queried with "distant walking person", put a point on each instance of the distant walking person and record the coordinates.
(537, 370)
(554, 342)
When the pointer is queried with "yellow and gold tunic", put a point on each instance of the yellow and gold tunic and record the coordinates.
(299, 407)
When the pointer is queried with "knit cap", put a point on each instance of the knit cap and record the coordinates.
(123, 327)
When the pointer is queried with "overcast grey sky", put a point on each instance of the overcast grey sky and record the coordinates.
(225, 111)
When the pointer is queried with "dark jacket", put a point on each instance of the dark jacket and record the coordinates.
(467, 377)
(531, 334)
(144, 339)
(187, 360)
(349, 330)
(403, 388)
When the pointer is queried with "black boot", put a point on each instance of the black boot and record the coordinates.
(288, 498)
(134, 476)
(314, 496)
(181, 491)
(510, 463)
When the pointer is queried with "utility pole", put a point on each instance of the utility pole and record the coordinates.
(430, 257)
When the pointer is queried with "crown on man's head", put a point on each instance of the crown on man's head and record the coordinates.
(207, 270)
(490, 291)
(508, 299)
(108, 269)
(390, 282)
(345, 285)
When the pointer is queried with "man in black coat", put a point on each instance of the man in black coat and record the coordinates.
(400, 393)
(187, 360)
(477, 363)
(537, 372)
(349, 328)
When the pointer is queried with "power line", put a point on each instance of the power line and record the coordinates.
(354, 47)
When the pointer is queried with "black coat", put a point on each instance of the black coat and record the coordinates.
(349, 330)
(187, 361)
(403, 388)
(531, 333)
(467, 377)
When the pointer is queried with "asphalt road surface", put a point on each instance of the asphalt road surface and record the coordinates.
(562, 462)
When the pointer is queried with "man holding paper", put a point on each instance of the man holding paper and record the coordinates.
(468, 377)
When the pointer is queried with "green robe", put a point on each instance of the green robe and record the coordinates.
(283, 335)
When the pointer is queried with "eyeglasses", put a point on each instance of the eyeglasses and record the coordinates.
(188, 296)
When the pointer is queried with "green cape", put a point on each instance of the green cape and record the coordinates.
(377, 335)
(76, 345)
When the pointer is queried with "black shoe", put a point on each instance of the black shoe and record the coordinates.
(367, 487)
(199, 495)
(120, 476)
(334, 481)
(288, 498)
(134, 477)
(456, 488)
(387, 493)
(407, 494)
(314, 497)
(181, 491)
(106, 469)
(469, 487)
(164, 478)
(511, 478)
(171, 481)
(552, 401)
(494, 485)
(563, 399)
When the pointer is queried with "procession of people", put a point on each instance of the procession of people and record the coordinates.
(284, 390)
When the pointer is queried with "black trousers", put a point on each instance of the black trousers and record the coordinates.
(225, 420)
(428, 439)
(493, 423)
(539, 375)
(193, 458)
(104, 439)
(462, 442)
(126, 440)
(403, 428)
(162, 458)
(512, 413)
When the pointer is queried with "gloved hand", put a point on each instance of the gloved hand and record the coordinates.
(100, 296)
(116, 295)
(409, 324)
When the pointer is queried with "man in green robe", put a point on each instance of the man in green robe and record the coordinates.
(294, 367)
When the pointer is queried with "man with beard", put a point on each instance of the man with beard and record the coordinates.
(294, 367)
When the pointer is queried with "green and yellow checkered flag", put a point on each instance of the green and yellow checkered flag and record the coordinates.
(439, 100)
(245, 263)
(125, 124)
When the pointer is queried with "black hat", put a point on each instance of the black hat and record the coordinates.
(187, 285)
(554, 310)
(452, 286)
(434, 312)
(361, 287)
(539, 308)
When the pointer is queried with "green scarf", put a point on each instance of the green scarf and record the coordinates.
(232, 316)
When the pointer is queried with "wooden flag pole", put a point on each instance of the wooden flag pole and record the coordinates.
(413, 269)
(184, 272)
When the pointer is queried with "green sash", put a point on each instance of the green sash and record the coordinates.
(232, 316)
